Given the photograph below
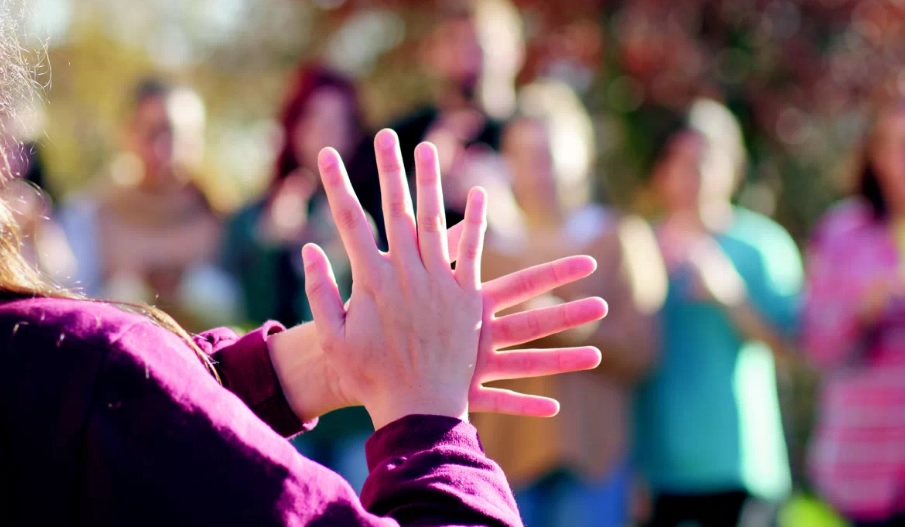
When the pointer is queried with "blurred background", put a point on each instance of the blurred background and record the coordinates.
(796, 75)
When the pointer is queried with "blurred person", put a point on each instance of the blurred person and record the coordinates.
(572, 470)
(472, 53)
(709, 437)
(264, 240)
(44, 244)
(145, 232)
(854, 324)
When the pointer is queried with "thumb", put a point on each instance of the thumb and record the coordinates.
(322, 291)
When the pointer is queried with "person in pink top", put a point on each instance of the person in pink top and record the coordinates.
(854, 331)
(115, 418)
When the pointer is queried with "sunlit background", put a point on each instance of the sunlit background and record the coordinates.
(795, 73)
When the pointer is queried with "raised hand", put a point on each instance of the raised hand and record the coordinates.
(417, 336)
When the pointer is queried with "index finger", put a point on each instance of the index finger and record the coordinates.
(348, 215)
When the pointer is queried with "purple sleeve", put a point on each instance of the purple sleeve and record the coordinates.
(114, 421)
(165, 441)
(244, 366)
(427, 470)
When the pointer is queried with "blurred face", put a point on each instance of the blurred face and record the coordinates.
(888, 158)
(678, 176)
(526, 147)
(150, 137)
(456, 55)
(326, 121)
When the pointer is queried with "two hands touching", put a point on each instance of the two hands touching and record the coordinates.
(417, 336)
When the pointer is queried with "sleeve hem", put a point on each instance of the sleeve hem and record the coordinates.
(247, 371)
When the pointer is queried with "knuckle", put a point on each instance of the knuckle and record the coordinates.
(315, 287)
(347, 219)
(428, 177)
(432, 224)
(527, 283)
(389, 164)
(472, 251)
(397, 208)
(534, 326)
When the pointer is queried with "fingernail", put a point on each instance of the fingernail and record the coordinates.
(326, 158)
(425, 153)
(385, 139)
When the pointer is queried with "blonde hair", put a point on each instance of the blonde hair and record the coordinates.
(572, 137)
(17, 277)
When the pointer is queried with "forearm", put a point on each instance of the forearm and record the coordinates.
(753, 326)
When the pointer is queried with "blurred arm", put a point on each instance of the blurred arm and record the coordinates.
(632, 279)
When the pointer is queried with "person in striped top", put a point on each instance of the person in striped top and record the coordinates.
(854, 331)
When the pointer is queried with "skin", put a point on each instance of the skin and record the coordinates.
(887, 155)
(416, 336)
(327, 120)
(696, 188)
(454, 55)
(150, 136)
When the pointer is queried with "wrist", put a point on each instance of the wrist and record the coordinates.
(389, 411)
(299, 364)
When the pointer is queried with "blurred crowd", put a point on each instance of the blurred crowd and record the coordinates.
(681, 423)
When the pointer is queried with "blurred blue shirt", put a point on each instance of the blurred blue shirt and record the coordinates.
(707, 419)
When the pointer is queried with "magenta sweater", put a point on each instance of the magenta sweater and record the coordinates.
(107, 419)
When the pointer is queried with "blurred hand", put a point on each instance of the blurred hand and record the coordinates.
(417, 336)
(877, 297)
(286, 213)
(687, 248)
(714, 278)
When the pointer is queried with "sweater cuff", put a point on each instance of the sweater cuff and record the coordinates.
(246, 370)
(417, 433)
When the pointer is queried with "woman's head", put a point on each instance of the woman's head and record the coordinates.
(322, 109)
(549, 147)
(527, 149)
(165, 130)
(698, 158)
(881, 178)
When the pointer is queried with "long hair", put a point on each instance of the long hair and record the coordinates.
(17, 277)
(867, 183)
(307, 81)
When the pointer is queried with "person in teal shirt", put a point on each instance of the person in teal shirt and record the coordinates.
(709, 439)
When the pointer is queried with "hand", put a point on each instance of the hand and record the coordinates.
(372, 329)
(685, 247)
(312, 387)
(877, 296)
(714, 276)
(286, 214)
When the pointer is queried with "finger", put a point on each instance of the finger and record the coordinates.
(453, 237)
(501, 401)
(542, 322)
(515, 288)
(521, 364)
(471, 245)
(431, 216)
(322, 291)
(398, 217)
(348, 215)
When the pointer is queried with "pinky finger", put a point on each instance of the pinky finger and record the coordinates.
(502, 401)
(471, 244)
